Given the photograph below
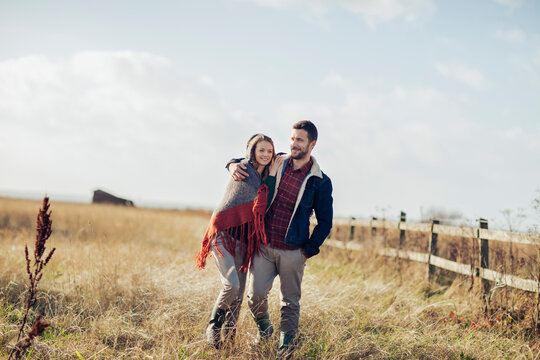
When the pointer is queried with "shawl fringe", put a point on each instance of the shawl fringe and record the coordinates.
(250, 213)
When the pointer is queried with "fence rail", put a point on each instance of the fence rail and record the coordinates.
(504, 236)
(481, 234)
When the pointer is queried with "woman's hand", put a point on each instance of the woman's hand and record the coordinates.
(275, 165)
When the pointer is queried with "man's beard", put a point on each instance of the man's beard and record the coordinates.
(300, 154)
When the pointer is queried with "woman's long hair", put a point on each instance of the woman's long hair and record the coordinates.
(250, 151)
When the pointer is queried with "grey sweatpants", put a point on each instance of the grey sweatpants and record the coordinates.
(289, 265)
(233, 281)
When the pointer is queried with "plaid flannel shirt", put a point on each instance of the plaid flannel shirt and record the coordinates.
(279, 215)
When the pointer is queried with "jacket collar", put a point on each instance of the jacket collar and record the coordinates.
(315, 168)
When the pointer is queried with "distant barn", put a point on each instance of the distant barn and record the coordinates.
(103, 197)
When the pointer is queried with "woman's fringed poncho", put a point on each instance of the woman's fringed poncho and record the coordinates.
(242, 208)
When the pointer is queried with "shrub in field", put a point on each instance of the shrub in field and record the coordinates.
(35, 273)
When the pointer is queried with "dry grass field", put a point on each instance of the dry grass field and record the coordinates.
(122, 285)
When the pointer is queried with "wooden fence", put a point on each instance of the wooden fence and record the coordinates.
(479, 267)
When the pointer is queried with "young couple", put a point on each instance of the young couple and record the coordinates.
(262, 224)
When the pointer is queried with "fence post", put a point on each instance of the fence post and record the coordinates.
(373, 228)
(402, 219)
(348, 237)
(351, 232)
(484, 260)
(433, 250)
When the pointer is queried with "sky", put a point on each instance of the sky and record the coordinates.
(420, 104)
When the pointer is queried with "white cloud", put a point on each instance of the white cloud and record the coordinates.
(530, 64)
(513, 133)
(207, 80)
(515, 36)
(535, 58)
(123, 120)
(510, 3)
(372, 11)
(335, 80)
(463, 73)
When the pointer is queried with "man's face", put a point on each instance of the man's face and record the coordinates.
(300, 145)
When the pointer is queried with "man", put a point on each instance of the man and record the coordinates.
(301, 188)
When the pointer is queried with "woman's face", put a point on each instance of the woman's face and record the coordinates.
(263, 153)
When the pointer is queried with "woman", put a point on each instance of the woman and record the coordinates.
(236, 233)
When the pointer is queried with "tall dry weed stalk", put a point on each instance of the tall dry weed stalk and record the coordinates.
(35, 273)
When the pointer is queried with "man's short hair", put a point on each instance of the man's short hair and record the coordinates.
(309, 127)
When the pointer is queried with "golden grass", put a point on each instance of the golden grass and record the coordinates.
(122, 284)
